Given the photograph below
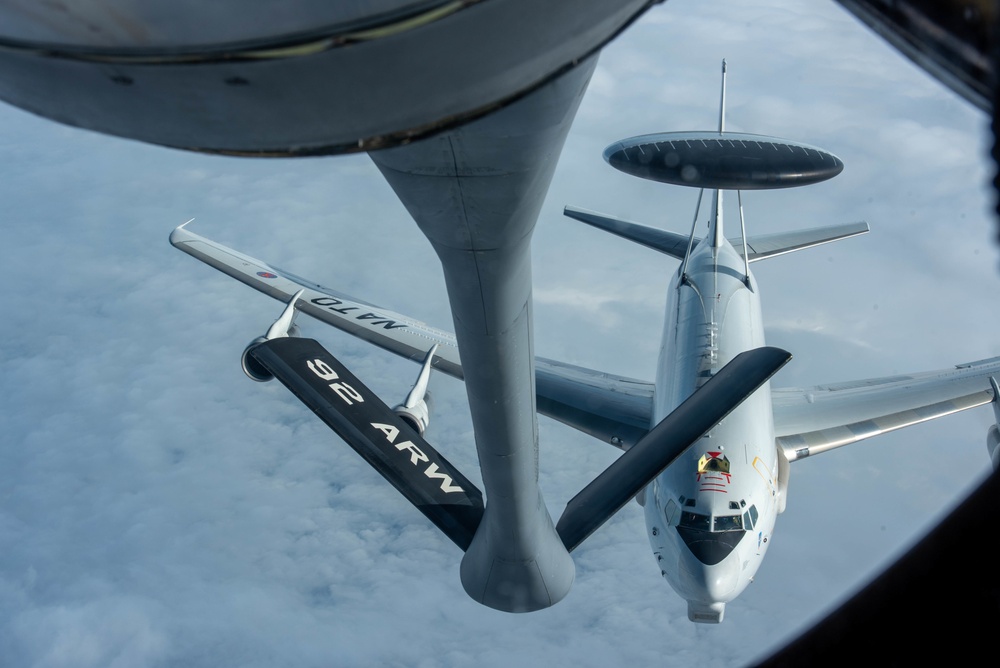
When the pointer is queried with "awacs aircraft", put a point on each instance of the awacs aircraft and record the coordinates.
(707, 446)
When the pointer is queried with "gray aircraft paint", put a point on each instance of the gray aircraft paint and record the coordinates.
(475, 192)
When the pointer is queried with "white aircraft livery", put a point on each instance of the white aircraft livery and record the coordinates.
(707, 446)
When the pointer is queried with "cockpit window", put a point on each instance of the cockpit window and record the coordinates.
(671, 512)
(721, 523)
(696, 521)
(729, 523)
(750, 518)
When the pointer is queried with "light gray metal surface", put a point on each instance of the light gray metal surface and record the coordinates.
(759, 247)
(812, 420)
(612, 409)
(713, 314)
(669, 243)
(475, 192)
(763, 246)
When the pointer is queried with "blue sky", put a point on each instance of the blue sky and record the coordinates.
(158, 509)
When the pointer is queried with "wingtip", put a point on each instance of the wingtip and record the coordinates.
(177, 236)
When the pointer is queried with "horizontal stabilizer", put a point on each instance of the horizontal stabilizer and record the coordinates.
(665, 242)
(763, 246)
(427, 480)
(759, 247)
(709, 404)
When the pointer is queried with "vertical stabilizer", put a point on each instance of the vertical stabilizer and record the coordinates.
(716, 230)
(722, 102)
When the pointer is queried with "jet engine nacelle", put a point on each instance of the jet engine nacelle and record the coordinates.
(417, 416)
(254, 369)
(415, 409)
(993, 446)
(251, 367)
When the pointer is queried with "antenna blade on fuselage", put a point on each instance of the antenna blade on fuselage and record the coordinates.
(709, 404)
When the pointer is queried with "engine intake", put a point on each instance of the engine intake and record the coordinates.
(418, 415)
(251, 367)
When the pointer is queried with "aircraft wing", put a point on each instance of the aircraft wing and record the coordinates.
(611, 408)
(396, 333)
(808, 421)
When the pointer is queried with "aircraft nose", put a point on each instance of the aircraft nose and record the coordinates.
(721, 580)
(717, 582)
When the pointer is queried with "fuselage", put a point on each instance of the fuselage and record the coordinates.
(710, 514)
